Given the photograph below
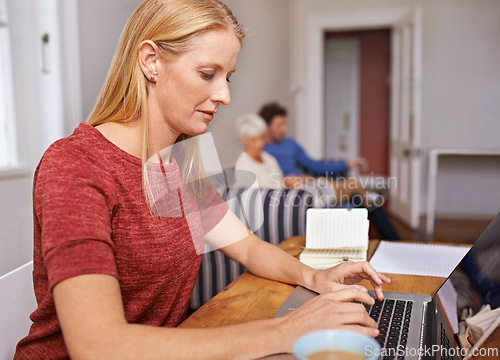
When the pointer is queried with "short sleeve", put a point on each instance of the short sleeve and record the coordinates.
(73, 209)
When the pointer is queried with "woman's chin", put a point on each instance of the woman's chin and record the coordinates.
(199, 130)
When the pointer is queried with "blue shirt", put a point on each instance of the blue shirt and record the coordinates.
(291, 156)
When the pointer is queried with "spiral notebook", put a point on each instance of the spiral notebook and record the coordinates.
(334, 236)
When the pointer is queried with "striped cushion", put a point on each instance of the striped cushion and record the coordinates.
(282, 213)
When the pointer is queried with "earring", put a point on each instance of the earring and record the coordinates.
(153, 75)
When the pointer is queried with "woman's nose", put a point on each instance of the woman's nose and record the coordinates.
(221, 93)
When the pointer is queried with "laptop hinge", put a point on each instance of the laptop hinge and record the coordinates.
(428, 329)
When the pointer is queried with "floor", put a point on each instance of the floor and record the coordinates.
(464, 230)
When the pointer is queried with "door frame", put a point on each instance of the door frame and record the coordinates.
(406, 99)
(309, 133)
(309, 70)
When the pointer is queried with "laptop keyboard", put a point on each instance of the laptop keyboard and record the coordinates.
(445, 343)
(393, 319)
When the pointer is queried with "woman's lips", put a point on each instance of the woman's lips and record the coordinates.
(207, 115)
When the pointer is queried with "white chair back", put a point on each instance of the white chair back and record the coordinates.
(17, 302)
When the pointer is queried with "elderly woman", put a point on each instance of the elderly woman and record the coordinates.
(252, 132)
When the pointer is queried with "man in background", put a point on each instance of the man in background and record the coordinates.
(298, 168)
(290, 155)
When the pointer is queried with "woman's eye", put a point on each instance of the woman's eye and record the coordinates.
(207, 75)
(228, 80)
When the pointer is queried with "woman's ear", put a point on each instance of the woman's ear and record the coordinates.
(148, 58)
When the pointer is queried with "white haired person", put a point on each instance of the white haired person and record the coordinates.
(251, 130)
(112, 278)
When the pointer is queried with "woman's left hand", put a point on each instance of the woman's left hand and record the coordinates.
(348, 273)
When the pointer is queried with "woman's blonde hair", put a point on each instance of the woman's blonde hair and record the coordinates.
(172, 25)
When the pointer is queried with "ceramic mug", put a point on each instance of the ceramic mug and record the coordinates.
(338, 340)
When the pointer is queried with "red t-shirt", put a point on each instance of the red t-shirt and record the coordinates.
(91, 217)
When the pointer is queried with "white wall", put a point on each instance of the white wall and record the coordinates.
(460, 89)
(263, 70)
(461, 101)
(461, 74)
(100, 24)
(468, 185)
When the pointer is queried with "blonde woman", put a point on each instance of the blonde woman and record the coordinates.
(111, 277)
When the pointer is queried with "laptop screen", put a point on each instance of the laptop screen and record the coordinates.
(475, 282)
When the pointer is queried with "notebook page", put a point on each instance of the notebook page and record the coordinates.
(336, 228)
(417, 259)
(448, 296)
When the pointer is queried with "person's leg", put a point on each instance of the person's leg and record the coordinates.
(382, 223)
(350, 191)
(489, 290)
(323, 193)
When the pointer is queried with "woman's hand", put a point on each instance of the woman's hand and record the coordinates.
(330, 311)
(348, 273)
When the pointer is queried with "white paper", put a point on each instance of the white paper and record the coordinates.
(337, 228)
(448, 296)
(483, 338)
(484, 318)
(417, 259)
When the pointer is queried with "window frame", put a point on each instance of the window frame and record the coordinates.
(9, 159)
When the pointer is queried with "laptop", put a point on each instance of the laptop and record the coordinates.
(413, 326)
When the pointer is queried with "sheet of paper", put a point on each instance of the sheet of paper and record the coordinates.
(417, 259)
(483, 338)
(448, 296)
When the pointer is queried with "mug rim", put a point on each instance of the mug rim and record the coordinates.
(301, 351)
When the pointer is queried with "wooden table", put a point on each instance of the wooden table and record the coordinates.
(260, 298)
(251, 298)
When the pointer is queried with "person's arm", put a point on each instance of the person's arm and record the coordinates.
(90, 311)
(266, 260)
(93, 323)
(359, 163)
(91, 314)
(293, 182)
(319, 168)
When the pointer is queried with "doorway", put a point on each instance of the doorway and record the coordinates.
(405, 148)
(357, 96)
